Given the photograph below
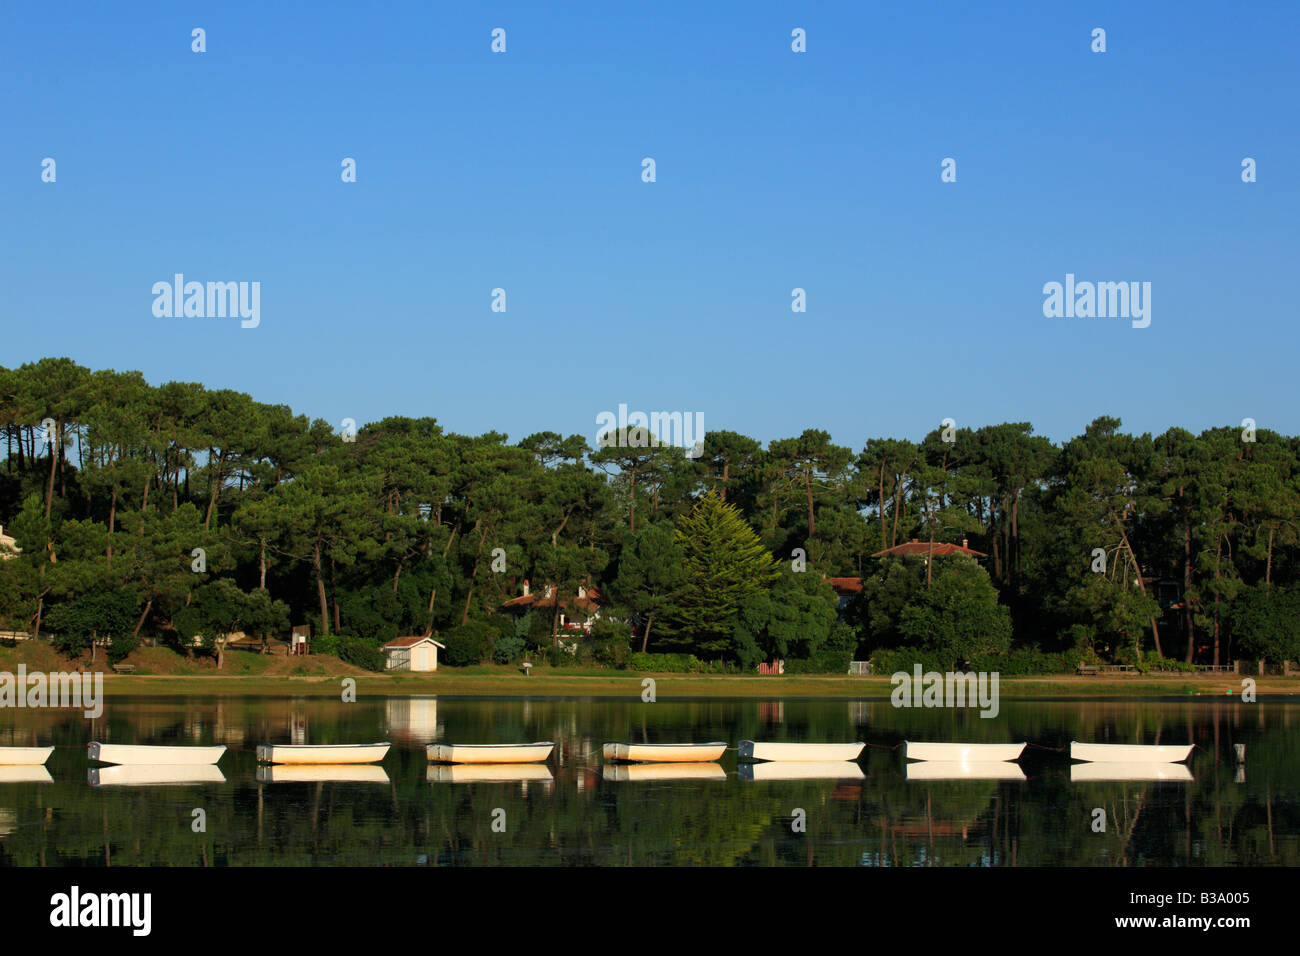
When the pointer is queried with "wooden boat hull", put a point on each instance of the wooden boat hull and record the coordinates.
(654, 772)
(24, 773)
(322, 753)
(1130, 753)
(757, 750)
(1115, 772)
(154, 756)
(963, 770)
(24, 756)
(322, 773)
(489, 773)
(968, 753)
(491, 753)
(162, 775)
(665, 753)
(801, 770)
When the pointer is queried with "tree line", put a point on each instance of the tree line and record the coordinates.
(179, 512)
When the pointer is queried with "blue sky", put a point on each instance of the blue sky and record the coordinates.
(775, 170)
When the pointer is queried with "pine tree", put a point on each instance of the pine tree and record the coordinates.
(724, 565)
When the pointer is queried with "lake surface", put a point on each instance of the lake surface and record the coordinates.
(875, 815)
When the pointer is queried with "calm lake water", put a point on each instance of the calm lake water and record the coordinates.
(874, 815)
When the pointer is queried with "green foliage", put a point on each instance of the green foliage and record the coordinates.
(666, 663)
(1017, 663)
(828, 660)
(792, 620)
(363, 654)
(471, 643)
(121, 646)
(1265, 623)
(220, 608)
(958, 615)
(725, 567)
(508, 648)
(650, 575)
(326, 644)
(611, 643)
(98, 613)
(397, 532)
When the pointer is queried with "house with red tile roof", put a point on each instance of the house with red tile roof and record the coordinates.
(578, 612)
(922, 549)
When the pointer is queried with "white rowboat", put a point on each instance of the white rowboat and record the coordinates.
(491, 753)
(1130, 753)
(801, 770)
(24, 756)
(653, 772)
(489, 773)
(26, 773)
(1101, 772)
(962, 752)
(751, 750)
(665, 753)
(154, 756)
(322, 753)
(323, 773)
(163, 775)
(963, 770)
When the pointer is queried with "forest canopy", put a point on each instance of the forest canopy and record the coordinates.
(173, 511)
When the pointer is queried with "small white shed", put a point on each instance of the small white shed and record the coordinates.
(413, 654)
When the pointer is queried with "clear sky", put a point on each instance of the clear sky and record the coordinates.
(775, 170)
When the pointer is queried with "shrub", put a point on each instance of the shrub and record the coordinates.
(121, 646)
(825, 661)
(326, 644)
(611, 643)
(361, 654)
(1166, 664)
(667, 663)
(508, 649)
(470, 644)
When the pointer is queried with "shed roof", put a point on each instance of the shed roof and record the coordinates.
(411, 642)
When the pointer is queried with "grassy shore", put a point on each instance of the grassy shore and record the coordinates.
(680, 686)
(164, 672)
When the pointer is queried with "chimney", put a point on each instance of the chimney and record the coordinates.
(582, 591)
(963, 543)
(525, 587)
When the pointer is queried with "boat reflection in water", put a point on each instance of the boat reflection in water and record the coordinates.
(322, 773)
(162, 775)
(1155, 770)
(801, 770)
(649, 772)
(963, 770)
(27, 774)
(489, 773)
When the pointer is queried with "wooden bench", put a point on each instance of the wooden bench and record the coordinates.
(124, 668)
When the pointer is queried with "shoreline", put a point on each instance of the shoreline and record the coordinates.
(685, 686)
